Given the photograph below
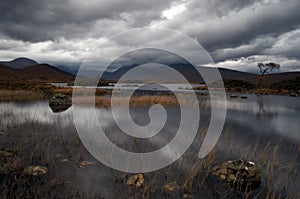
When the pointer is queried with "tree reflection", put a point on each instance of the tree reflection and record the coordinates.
(264, 109)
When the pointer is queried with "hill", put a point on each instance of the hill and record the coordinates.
(18, 63)
(36, 73)
(276, 77)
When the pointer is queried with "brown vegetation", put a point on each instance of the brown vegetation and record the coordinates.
(147, 100)
(21, 95)
(39, 73)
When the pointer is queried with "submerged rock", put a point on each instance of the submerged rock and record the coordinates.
(241, 175)
(35, 170)
(136, 180)
(293, 95)
(244, 97)
(60, 102)
(2, 133)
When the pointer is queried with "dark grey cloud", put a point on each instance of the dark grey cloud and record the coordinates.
(255, 47)
(232, 31)
(31, 20)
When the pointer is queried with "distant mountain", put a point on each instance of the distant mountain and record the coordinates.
(18, 63)
(157, 74)
(24, 69)
(70, 70)
(36, 73)
(189, 72)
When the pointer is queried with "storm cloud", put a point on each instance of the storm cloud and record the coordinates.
(237, 34)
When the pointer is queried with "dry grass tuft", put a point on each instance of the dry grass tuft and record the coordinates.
(137, 101)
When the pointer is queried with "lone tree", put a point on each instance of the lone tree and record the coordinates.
(266, 68)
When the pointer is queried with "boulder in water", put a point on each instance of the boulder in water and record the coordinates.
(241, 175)
(59, 103)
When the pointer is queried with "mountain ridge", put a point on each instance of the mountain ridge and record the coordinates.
(25, 69)
(18, 63)
(195, 77)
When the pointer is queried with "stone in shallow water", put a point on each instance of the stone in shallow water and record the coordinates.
(136, 180)
(60, 102)
(241, 175)
(35, 170)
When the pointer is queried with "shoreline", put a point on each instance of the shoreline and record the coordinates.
(28, 95)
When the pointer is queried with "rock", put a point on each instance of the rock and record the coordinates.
(1, 133)
(171, 187)
(233, 96)
(244, 97)
(85, 164)
(293, 95)
(136, 180)
(35, 170)
(241, 175)
(60, 102)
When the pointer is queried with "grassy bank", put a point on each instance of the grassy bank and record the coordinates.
(35, 92)
(42, 91)
(25, 91)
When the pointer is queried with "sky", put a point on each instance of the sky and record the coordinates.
(237, 34)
